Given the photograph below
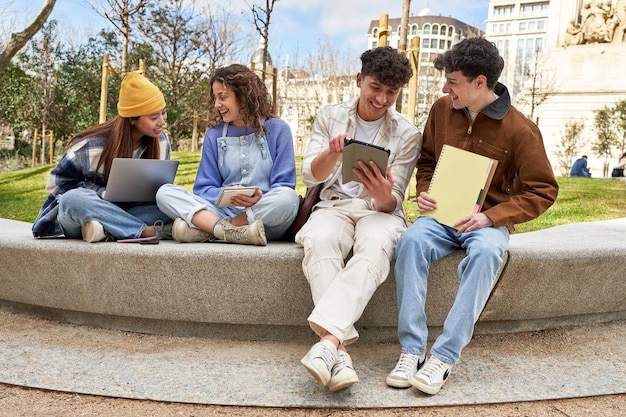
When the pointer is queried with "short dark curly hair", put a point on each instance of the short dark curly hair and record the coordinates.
(387, 65)
(473, 57)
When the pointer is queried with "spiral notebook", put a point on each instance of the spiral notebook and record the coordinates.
(459, 184)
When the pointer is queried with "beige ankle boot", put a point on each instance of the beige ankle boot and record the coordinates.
(249, 234)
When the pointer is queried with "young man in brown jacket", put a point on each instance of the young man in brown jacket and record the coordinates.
(475, 115)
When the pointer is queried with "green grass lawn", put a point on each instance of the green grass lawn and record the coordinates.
(22, 193)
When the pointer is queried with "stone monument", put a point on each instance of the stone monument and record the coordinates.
(586, 48)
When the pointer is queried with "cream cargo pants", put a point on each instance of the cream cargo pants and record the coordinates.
(348, 249)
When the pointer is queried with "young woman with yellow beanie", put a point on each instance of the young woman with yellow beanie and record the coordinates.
(75, 207)
(247, 145)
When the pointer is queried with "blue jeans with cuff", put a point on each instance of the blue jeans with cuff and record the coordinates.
(424, 242)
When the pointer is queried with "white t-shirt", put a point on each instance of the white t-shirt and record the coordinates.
(365, 132)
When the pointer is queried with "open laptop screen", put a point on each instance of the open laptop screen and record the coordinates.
(137, 180)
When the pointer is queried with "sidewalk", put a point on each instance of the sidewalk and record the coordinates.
(584, 361)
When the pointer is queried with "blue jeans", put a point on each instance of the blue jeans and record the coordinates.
(80, 205)
(276, 209)
(425, 242)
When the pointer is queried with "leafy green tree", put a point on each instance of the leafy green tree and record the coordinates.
(569, 145)
(42, 58)
(606, 139)
(79, 86)
(16, 90)
(620, 121)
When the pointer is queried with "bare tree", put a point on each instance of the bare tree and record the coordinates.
(120, 13)
(329, 76)
(19, 39)
(172, 38)
(538, 83)
(261, 20)
(223, 37)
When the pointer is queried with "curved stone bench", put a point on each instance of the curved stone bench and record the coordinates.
(564, 275)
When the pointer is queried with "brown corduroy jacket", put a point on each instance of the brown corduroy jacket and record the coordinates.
(523, 186)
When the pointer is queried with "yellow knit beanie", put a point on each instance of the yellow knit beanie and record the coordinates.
(139, 97)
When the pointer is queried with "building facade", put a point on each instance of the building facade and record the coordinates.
(565, 60)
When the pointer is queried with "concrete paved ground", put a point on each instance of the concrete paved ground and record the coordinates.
(569, 362)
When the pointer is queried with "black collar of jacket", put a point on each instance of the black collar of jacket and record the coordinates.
(500, 107)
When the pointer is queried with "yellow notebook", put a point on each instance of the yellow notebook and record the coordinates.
(459, 184)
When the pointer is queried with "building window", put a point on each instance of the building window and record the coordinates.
(541, 25)
(425, 43)
(501, 12)
(522, 26)
(451, 31)
(435, 29)
(535, 9)
(427, 29)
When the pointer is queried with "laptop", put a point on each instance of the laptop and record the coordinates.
(133, 180)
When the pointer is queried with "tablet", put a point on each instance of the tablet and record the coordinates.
(354, 151)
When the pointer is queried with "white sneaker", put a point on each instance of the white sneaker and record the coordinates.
(93, 231)
(319, 361)
(432, 376)
(406, 367)
(343, 374)
(181, 232)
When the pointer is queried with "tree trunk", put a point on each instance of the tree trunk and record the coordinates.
(18, 40)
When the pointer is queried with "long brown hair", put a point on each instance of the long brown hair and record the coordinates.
(119, 143)
(255, 103)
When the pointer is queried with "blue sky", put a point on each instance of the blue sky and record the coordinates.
(297, 26)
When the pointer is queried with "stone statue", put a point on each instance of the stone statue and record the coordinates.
(594, 25)
(573, 34)
(619, 17)
(600, 22)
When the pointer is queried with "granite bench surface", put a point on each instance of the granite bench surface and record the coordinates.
(570, 274)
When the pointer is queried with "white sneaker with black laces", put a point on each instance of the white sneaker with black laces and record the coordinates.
(319, 361)
(432, 376)
(406, 367)
(342, 375)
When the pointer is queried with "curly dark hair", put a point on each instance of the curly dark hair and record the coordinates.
(387, 65)
(255, 103)
(473, 57)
